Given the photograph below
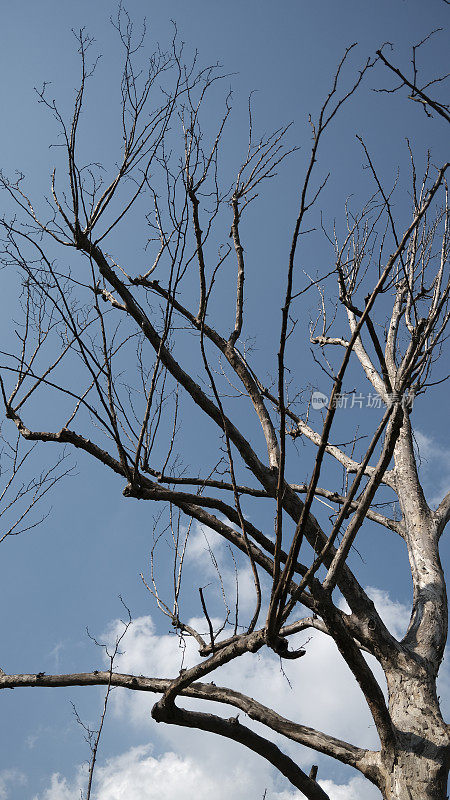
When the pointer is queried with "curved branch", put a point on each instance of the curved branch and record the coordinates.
(363, 760)
(357, 599)
(182, 377)
(300, 488)
(232, 729)
(443, 513)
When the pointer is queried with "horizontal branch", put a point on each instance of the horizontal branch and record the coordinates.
(332, 340)
(361, 759)
(358, 601)
(300, 488)
(287, 630)
(193, 506)
(208, 482)
(319, 625)
(154, 491)
(189, 503)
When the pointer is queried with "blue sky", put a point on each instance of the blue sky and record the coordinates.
(68, 573)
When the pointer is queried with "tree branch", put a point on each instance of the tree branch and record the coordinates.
(443, 513)
(363, 760)
(427, 100)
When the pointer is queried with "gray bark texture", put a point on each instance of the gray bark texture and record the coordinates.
(419, 767)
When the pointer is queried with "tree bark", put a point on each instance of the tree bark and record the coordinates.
(427, 632)
(419, 769)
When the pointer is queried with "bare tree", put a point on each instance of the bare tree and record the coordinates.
(109, 343)
(20, 496)
(419, 90)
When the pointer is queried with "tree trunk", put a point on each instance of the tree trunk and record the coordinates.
(419, 768)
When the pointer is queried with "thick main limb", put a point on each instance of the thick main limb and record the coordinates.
(364, 760)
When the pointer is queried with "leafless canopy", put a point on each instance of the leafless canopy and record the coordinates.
(110, 342)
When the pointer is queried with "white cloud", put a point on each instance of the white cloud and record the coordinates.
(321, 693)
(395, 615)
(143, 650)
(55, 654)
(202, 540)
(208, 552)
(355, 789)
(138, 775)
(434, 467)
(10, 778)
(59, 789)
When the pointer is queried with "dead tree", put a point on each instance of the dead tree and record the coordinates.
(84, 325)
